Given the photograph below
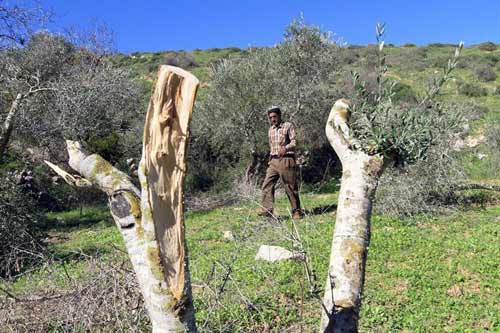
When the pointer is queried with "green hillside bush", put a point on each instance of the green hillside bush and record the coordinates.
(487, 46)
(471, 89)
(404, 93)
(473, 61)
(180, 59)
(485, 73)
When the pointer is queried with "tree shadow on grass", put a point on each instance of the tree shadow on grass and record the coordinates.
(313, 211)
(321, 210)
(75, 218)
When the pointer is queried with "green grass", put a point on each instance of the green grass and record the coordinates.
(424, 275)
(438, 275)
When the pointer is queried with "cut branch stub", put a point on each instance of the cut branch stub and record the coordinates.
(73, 180)
(164, 161)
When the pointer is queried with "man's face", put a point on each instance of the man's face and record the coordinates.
(274, 118)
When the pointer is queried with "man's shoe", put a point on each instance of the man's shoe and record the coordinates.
(297, 214)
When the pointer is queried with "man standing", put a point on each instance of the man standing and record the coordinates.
(282, 142)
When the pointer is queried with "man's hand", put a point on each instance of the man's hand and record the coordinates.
(281, 152)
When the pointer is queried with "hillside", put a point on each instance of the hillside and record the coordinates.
(425, 273)
(476, 82)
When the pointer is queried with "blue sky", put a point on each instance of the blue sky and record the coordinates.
(156, 25)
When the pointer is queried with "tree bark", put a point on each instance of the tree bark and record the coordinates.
(8, 124)
(344, 283)
(135, 223)
(151, 221)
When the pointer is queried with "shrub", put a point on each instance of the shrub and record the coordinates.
(404, 93)
(471, 89)
(180, 59)
(424, 187)
(369, 56)
(409, 45)
(438, 61)
(422, 52)
(474, 111)
(441, 45)
(487, 46)
(349, 56)
(409, 58)
(487, 168)
(485, 73)
(472, 61)
(497, 90)
(492, 58)
(20, 220)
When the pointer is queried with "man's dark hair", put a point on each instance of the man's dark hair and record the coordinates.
(273, 109)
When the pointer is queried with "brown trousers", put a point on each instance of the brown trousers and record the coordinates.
(283, 168)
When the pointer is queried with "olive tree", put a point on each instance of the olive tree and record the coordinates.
(55, 89)
(369, 134)
(297, 75)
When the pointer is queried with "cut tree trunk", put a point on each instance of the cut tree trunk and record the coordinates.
(344, 283)
(8, 124)
(166, 134)
(151, 221)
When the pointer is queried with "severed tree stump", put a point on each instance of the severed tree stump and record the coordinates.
(151, 220)
(346, 271)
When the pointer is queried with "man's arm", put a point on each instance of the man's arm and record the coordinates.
(269, 140)
(293, 138)
(293, 141)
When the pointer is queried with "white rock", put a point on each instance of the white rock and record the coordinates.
(458, 145)
(475, 141)
(228, 235)
(275, 253)
(481, 156)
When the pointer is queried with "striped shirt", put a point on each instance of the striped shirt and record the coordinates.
(282, 135)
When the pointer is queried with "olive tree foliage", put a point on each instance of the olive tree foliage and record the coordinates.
(297, 75)
(402, 132)
(53, 89)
